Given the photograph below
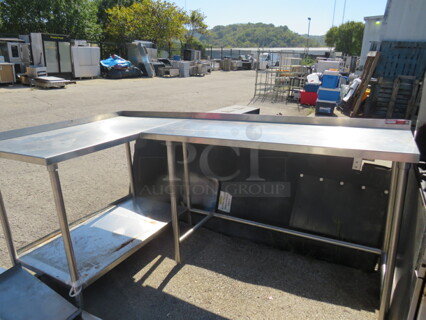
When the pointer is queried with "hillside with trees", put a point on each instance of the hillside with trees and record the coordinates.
(254, 35)
(115, 22)
(314, 38)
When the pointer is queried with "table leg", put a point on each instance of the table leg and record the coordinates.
(186, 181)
(173, 200)
(65, 231)
(389, 219)
(396, 201)
(7, 232)
(130, 168)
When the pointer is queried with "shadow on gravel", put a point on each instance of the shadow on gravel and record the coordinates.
(123, 293)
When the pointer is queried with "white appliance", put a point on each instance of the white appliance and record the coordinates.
(85, 60)
(323, 65)
(14, 50)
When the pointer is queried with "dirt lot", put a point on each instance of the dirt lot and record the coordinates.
(221, 278)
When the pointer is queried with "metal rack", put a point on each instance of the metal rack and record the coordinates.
(352, 138)
(273, 75)
(294, 84)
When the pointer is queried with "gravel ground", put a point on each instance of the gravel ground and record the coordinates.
(221, 278)
(228, 278)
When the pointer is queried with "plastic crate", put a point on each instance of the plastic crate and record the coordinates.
(329, 81)
(308, 98)
(324, 107)
(312, 87)
(329, 94)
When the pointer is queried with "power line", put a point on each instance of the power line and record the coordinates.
(334, 13)
(344, 9)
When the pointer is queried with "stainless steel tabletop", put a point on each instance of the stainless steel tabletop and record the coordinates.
(61, 144)
(355, 138)
(354, 142)
(23, 296)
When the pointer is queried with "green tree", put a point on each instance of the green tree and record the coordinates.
(346, 38)
(195, 25)
(103, 5)
(119, 26)
(331, 37)
(167, 22)
(157, 21)
(74, 17)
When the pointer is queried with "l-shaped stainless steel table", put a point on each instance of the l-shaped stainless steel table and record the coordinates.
(125, 226)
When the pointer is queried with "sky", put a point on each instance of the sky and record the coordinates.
(292, 13)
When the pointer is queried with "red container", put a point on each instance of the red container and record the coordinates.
(308, 98)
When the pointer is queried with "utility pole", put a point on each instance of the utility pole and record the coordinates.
(307, 40)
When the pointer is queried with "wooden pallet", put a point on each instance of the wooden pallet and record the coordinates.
(395, 98)
(370, 65)
(401, 59)
(399, 72)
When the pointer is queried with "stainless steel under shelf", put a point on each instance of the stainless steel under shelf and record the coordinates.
(103, 241)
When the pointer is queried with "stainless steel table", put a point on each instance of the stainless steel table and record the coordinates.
(48, 145)
(39, 302)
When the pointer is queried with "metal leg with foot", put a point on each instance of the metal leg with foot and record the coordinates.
(389, 219)
(398, 207)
